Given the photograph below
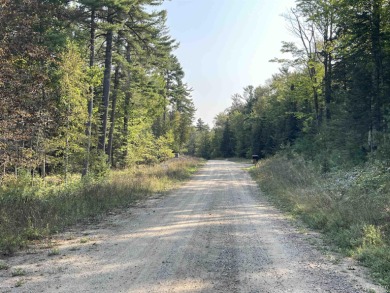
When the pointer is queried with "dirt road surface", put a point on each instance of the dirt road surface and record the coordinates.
(215, 234)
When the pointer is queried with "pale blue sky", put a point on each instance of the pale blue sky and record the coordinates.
(225, 45)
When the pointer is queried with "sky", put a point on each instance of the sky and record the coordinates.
(226, 45)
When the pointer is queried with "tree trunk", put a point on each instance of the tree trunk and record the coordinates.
(126, 116)
(112, 118)
(106, 87)
(313, 78)
(316, 106)
(328, 68)
(166, 97)
(43, 175)
(88, 129)
(377, 74)
(66, 156)
(328, 84)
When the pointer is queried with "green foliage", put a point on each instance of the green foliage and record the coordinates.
(200, 141)
(227, 144)
(378, 259)
(329, 102)
(99, 167)
(147, 149)
(60, 94)
(204, 145)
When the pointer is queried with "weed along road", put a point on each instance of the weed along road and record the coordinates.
(215, 234)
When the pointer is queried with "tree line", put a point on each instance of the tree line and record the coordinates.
(331, 97)
(89, 84)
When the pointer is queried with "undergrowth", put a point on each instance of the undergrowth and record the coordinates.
(34, 211)
(351, 208)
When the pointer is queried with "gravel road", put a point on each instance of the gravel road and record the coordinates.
(215, 234)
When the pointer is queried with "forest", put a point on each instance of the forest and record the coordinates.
(88, 85)
(92, 85)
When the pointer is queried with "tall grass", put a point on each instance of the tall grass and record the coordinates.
(352, 208)
(33, 211)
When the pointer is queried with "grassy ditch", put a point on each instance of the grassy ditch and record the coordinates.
(33, 212)
(351, 208)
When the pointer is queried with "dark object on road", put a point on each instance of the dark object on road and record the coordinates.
(255, 159)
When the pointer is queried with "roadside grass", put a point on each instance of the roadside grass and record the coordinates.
(34, 212)
(351, 208)
(18, 272)
(3, 265)
(54, 252)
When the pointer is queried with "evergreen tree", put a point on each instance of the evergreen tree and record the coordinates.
(227, 143)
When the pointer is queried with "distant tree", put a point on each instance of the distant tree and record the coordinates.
(204, 144)
(227, 143)
(201, 125)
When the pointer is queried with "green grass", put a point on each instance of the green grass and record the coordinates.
(351, 208)
(3, 265)
(19, 283)
(84, 240)
(34, 212)
(18, 272)
(54, 252)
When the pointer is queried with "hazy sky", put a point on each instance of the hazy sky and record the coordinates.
(225, 45)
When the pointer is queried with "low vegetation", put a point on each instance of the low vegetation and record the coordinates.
(33, 210)
(352, 208)
(3, 265)
(18, 272)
